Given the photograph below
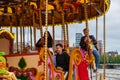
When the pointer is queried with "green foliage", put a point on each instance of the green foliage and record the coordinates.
(102, 59)
(118, 59)
(110, 59)
(113, 59)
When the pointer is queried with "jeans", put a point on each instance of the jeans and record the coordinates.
(54, 59)
(97, 57)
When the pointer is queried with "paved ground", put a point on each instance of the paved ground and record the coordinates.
(111, 74)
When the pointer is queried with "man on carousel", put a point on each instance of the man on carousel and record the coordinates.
(89, 40)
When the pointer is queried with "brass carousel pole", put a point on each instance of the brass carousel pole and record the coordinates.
(21, 46)
(46, 28)
(11, 24)
(53, 29)
(17, 32)
(63, 24)
(23, 28)
(17, 38)
(96, 38)
(104, 37)
(86, 15)
(40, 19)
(96, 29)
(34, 30)
(67, 34)
(31, 35)
(86, 20)
(23, 31)
(67, 45)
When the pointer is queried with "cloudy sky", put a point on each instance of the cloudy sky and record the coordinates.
(112, 28)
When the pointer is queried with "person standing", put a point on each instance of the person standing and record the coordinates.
(84, 43)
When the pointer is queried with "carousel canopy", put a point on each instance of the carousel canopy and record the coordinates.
(28, 12)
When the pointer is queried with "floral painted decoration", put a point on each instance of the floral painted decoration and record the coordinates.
(3, 70)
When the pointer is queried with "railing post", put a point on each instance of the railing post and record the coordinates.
(101, 76)
(96, 76)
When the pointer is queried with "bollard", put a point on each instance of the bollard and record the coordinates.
(96, 76)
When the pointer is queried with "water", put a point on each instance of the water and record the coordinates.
(111, 74)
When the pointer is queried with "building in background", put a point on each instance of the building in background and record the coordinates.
(77, 39)
(62, 42)
(112, 53)
(59, 41)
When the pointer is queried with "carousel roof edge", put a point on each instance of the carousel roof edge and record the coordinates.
(107, 2)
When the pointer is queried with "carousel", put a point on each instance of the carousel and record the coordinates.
(17, 15)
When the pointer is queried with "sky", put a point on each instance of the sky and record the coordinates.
(112, 28)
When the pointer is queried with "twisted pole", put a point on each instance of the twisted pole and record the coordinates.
(46, 29)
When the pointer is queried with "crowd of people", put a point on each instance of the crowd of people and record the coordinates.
(60, 56)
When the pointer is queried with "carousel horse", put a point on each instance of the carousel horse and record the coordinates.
(79, 62)
(78, 67)
(52, 72)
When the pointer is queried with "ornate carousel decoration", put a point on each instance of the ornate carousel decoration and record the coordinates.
(30, 12)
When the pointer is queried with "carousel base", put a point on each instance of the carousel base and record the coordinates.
(25, 66)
